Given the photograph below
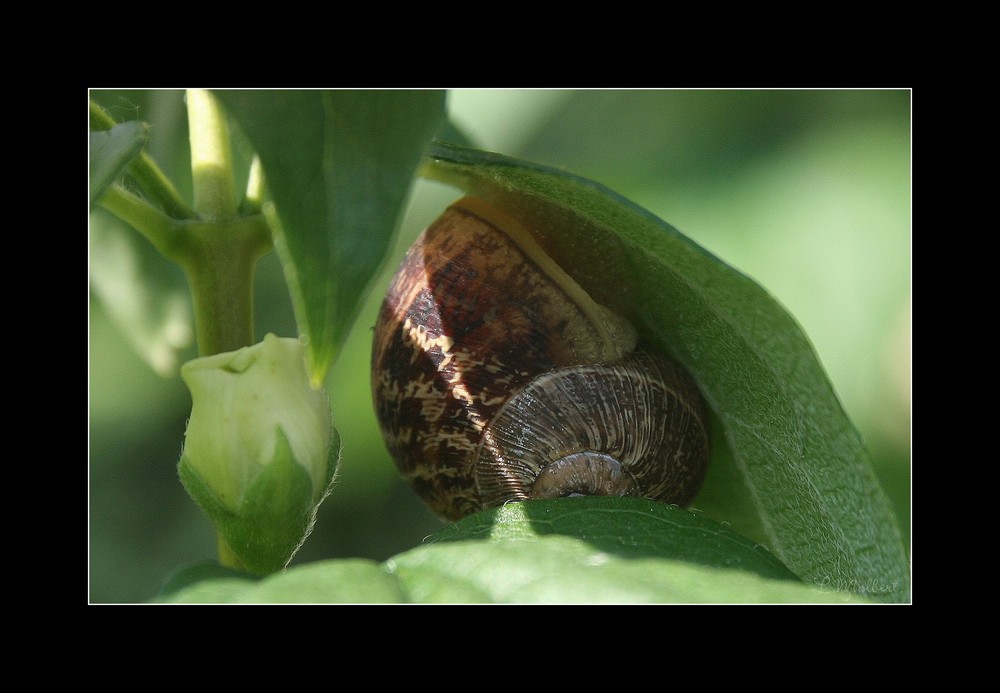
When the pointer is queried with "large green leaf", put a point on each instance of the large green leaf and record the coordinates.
(563, 551)
(519, 566)
(338, 166)
(802, 460)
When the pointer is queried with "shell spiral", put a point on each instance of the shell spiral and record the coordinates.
(495, 377)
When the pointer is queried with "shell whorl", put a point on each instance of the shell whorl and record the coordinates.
(635, 427)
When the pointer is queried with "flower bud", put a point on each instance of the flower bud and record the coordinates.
(260, 452)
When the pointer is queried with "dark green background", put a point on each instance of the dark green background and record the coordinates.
(806, 191)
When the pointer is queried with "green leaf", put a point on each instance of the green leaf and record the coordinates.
(338, 166)
(568, 570)
(349, 581)
(561, 551)
(537, 570)
(626, 527)
(111, 151)
(801, 459)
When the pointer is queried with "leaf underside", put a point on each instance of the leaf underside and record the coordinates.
(802, 461)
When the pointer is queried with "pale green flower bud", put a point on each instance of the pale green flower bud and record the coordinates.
(260, 452)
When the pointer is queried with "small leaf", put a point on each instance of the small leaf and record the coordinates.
(111, 151)
(627, 527)
(338, 166)
(803, 461)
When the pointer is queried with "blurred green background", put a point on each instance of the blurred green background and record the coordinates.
(808, 192)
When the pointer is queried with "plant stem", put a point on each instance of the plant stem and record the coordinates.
(157, 227)
(220, 259)
(149, 176)
(223, 251)
(211, 159)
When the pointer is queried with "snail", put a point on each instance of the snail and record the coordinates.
(496, 378)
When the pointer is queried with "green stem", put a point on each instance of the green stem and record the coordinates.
(220, 259)
(156, 226)
(99, 118)
(211, 159)
(220, 254)
(149, 176)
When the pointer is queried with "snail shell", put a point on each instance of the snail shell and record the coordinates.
(495, 377)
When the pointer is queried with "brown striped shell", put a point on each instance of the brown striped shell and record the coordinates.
(495, 377)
